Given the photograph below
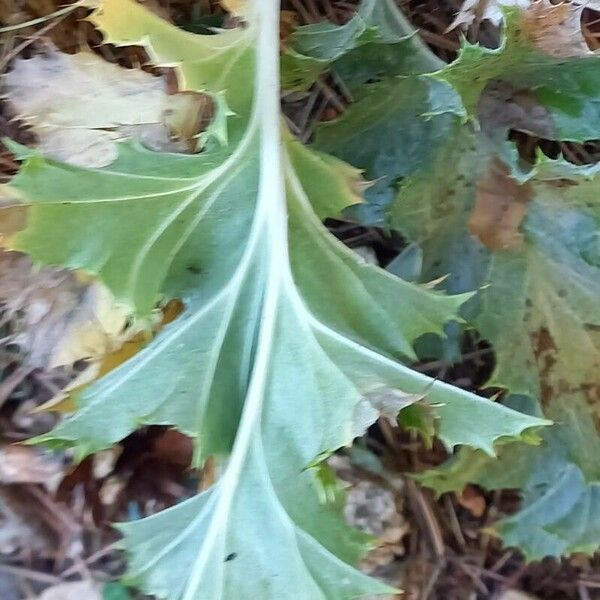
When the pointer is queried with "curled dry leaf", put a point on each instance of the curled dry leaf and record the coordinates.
(556, 29)
(504, 106)
(79, 106)
(500, 207)
(481, 10)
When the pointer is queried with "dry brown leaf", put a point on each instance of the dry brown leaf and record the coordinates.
(76, 590)
(235, 7)
(59, 318)
(64, 401)
(503, 106)
(79, 106)
(472, 500)
(481, 10)
(556, 29)
(500, 207)
(12, 220)
(26, 464)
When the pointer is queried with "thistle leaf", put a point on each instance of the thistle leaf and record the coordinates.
(526, 236)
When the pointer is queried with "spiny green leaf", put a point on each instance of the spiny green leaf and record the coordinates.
(539, 308)
(554, 283)
(378, 41)
(551, 289)
(538, 304)
(432, 209)
(543, 52)
(285, 337)
(393, 130)
(558, 479)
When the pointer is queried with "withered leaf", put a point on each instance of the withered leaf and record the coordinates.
(479, 10)
(79, 106)
(500, 207)
(556, 28)
(59, 319)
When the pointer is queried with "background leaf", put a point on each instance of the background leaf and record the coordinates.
(526, 235)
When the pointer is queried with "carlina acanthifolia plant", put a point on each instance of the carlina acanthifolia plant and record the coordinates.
(289, 345)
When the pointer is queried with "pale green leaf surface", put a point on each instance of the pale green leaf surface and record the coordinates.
(285, 334)
(331, 185)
